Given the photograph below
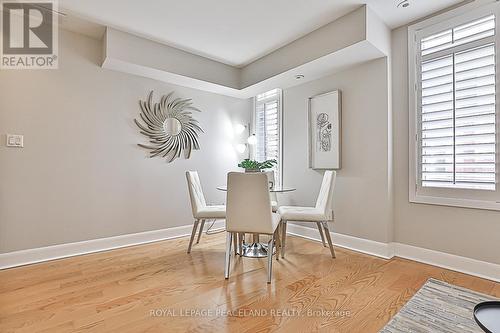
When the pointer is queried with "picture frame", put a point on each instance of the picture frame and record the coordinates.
(325, 130)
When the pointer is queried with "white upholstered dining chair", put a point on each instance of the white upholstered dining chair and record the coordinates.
(249, 211)
(320, 214)
(274, 198)
(201, 211)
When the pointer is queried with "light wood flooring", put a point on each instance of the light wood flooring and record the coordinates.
(159, 288)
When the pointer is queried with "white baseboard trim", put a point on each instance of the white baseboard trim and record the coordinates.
(367, 246)
(31, 256)
(453, 262)
(384, 250)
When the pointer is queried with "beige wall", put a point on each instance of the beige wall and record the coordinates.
(466, 232)
(81, 175)
(363, 206)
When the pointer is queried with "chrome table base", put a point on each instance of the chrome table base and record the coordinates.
(254, 250)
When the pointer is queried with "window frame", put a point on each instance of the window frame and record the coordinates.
(457, 197)
(278, 178)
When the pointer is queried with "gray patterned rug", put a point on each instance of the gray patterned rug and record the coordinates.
(438, 307)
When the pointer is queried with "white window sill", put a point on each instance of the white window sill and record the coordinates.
(455, 202)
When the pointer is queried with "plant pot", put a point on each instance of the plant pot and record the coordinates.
(252, 170)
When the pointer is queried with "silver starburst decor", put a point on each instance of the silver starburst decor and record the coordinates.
(170, 126)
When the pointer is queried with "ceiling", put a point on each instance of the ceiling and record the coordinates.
(235, 32)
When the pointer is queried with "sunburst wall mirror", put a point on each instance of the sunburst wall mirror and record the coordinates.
(170, 126)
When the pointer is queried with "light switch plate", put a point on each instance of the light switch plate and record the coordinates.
(15, 140)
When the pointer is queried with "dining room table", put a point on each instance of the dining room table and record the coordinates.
(257, 249)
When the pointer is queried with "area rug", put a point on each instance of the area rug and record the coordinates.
(438, 307)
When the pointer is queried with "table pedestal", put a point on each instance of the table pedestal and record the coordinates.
(255, 249)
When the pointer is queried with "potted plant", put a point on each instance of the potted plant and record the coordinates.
(254, 166)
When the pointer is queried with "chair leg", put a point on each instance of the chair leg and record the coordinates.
(241, 240)
(277, 241)
(193, 233)
(283, 238)
(235, 241)
(229, 236)
(321, 233)
(270, 245)
(201, 231)
(328, 238)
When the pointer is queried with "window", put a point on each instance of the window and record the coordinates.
(267, 125)
(453, 127)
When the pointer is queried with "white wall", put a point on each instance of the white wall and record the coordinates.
(363, 206)
(466, 232)
(81, 175)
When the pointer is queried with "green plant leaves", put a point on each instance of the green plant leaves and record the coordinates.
(254, 165)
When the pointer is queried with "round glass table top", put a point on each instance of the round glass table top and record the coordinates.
(274, 189)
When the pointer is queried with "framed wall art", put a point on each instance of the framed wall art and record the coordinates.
(325, 130)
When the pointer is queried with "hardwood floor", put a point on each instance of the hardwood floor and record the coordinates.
(159, 288)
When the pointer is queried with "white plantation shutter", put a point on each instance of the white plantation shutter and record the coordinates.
(456, 83)
(268, 129)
